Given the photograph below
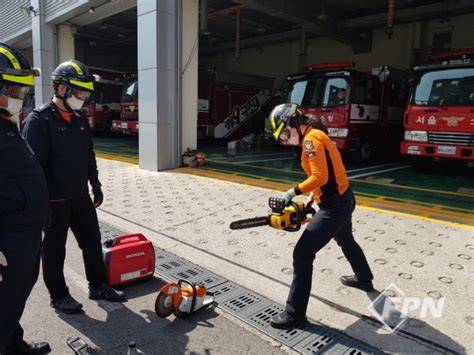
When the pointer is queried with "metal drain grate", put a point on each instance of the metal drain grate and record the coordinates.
(241, 302)
(225, 291)
(253, 308)
(198, 276)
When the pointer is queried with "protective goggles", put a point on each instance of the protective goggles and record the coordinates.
(80, 94)
(14, 91)
(20, 76)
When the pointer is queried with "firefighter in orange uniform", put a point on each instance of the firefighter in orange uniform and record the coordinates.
(328, 185)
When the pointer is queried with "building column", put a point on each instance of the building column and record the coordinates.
(43, 53)
(189, 70)
(158, 84)
(65, 35)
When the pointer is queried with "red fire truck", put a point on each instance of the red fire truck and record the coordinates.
(227, 103)
(363, 111)
(104, 105)
(127, 123)
(439, 119)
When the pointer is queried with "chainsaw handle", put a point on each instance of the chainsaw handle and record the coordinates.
(193, 287)
(298, 218)
(129, 238)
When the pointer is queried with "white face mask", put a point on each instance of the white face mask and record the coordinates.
(14, 107)
(74, 103)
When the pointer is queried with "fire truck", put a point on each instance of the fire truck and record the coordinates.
(127, 123)
(439, 119)
(363, 111)
(104, 105)
(228, 104)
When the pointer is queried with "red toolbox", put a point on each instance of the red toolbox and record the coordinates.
(128, 258)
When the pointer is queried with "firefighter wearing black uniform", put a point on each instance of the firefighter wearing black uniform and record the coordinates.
(59, 134)
(23, 206)
(328, 185)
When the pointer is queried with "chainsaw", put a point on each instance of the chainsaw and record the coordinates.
(182, 299)
(289, 218)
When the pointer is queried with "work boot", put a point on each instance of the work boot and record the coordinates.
(286, 321)
(67, 305)
(105, 292)
(28, 348)
(352, 281)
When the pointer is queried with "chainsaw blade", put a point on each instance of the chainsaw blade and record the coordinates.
(164, 305)
(250, 223)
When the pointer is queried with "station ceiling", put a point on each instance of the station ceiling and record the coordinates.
(272, 21)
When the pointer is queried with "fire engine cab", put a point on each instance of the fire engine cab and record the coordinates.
(363, 111)
(439, 120)
(128, 122)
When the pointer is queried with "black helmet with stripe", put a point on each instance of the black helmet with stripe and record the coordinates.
(74, 74)
(14, 68)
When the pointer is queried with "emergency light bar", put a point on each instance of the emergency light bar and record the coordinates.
(330, 65)
(454, 53)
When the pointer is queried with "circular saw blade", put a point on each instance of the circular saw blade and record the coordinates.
(164, 305)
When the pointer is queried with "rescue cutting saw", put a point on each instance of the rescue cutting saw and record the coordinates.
(182, 299)
(289, 218)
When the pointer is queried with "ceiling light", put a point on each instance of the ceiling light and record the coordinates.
(91, 10)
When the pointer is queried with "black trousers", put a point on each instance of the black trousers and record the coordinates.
(332, 220)
(22, 250)
(79, 215)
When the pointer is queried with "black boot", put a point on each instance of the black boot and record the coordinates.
(29, 348)
(67, 305)
(105, 292)
(286, 321)
(352, 281)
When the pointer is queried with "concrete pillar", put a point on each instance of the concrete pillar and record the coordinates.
(65, 37)
(158, 84)
(189, 70)
(43, 53)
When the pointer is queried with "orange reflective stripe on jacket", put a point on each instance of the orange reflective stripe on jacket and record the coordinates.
(322, 163)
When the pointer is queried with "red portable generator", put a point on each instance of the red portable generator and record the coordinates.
(128, 258)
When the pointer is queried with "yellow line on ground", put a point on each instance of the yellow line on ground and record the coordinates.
(412, 188)
(417, 209)
(117, 157)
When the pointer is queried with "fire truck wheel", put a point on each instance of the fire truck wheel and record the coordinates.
(365, 152)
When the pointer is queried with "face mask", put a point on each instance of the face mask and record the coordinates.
(14, 107)
(74, 103)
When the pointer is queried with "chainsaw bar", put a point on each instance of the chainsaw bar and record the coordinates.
(250, 223)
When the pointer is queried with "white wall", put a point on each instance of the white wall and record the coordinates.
(278, 60)
(189, 70)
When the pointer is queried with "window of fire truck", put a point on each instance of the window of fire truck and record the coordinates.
(449, 87)
(320, 92)
(130, 92)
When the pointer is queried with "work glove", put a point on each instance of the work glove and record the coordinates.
(98, 195)
(288, 196)
(3, 262)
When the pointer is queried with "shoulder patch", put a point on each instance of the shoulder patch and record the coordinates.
(311, 154)
(308, 145)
